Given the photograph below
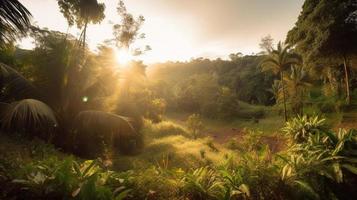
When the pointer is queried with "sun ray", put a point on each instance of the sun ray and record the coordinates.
(123, 56)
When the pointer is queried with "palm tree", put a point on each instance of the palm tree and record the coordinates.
(14, 20)
(278, 61)
(296, 83)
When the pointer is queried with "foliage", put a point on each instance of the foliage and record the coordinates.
(212, 87)
(202, 183)
(69, 179)
(15, 86)
(128, 31)
(251, 141)
(320, 159)
(14, 21)
(278, 61)
(81, 12)
(301, 127)
(30, 117)
(136, 99)
(296, 86)
(195, 125)
(317, 38)
(328, 42)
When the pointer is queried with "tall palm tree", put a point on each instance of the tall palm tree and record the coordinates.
(14, 20)
(279, 60)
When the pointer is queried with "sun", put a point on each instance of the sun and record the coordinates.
(123, 56)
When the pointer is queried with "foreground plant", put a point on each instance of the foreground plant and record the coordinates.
(301, 127)
(69, 179)
(319, 160)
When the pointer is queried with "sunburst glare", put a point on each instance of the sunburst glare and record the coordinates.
(123, 56)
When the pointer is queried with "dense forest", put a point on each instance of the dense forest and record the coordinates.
(277, 124)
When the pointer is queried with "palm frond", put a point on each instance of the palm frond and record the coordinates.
(28, 115)
(14, 20)
(14, 85)
(270, 64)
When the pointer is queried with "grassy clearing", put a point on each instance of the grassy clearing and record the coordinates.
(170, 145)
(270, 122)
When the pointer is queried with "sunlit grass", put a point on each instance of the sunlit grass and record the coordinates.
(168, 141)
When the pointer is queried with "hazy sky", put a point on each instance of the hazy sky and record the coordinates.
(182, 29)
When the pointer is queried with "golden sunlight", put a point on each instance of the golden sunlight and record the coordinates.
(123, 56)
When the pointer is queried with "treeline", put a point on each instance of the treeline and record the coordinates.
(214, 87)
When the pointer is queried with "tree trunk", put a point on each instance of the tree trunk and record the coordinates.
(284, 98)
(347, 81)
(84, 35)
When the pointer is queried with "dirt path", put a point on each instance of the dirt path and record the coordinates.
(223, 135)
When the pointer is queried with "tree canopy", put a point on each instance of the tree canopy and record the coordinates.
(325, 28)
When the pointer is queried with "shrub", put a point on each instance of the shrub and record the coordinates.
(30, 117)
(319, 161)
(251, 141)
(67, 179)
(195, 125)
(157, 109)
(201, 184)
(300, 128)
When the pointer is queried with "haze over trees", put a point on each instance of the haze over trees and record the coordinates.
(78, 123)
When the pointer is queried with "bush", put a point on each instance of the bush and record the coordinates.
(67, 179)
(201, 184)
(300, 128)
(251, 141)
(156, 109)
(30, 117)
(195, 125)
(320, 161)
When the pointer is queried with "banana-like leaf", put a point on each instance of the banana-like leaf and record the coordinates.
(28, 115)
(350, 168)
(306, 187)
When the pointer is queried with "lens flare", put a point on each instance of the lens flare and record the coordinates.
(123, 56)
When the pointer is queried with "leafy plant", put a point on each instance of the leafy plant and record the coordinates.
(70, 180)
(234, 184)
(15, 20)
(202, 183)
(195, 125)
(32, 116)
(320, 157)
(301, 127)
